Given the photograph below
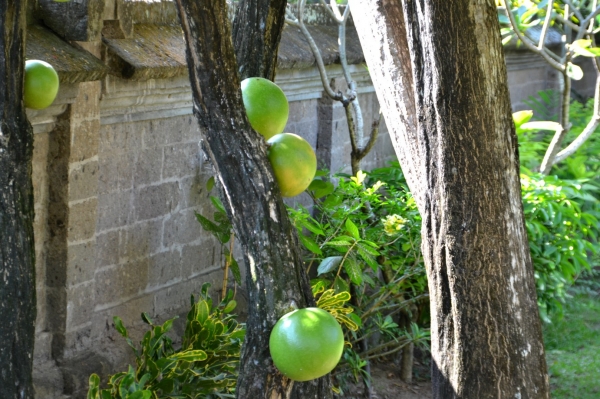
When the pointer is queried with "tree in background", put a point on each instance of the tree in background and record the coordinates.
(439, 72)
(17, 256)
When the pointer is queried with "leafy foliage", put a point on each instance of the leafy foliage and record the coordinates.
(222, 229)
(561, 236)
(204, 367)
(365, 239)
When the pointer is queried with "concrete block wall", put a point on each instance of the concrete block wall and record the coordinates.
(528, 74)
(115, 226)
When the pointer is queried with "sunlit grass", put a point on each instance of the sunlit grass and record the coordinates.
(573, 346)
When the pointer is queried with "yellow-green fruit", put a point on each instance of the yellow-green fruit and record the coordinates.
(41, 84)
(266, 106)
(306, 344)
(294, 163)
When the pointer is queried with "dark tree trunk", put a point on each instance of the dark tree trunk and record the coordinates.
(276, 280)
(256, 34)
(439, 72)
(17, 255)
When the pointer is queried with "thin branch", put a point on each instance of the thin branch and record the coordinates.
(329, 10)
(578, 142)
(336, 11)
(590, 18)
(546, 25)
(372, 353)
(315, 50)
(594, 6)
(576, 11)
(373, 138)
(587, 132)
(530, 45)
(568, 23)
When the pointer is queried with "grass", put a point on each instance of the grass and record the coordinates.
(573, 345)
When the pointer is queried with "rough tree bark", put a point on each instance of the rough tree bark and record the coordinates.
(256, 35)
(439, 72)
(276, 280)
(17, 269)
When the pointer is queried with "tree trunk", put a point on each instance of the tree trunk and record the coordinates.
(439, 72)
(257, 32)
(17, 254)
(276, 280)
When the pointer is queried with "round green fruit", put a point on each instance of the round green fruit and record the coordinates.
(306, 344)
(294, 163)
(41, 84)
(266, 106)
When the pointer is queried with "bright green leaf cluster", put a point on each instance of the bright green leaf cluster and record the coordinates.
(205, 365)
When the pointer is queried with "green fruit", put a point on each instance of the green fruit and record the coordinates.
(41, 84)
(294, 163)
(266, 106)
(306, 344)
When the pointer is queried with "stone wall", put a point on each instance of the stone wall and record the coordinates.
(119, 172)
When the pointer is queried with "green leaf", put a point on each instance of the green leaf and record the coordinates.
(582, 47)
(145, 394)
(203, 312)
(230, 307)
(310, 244)
(235, 270)
(119, 326)
(94, 384)
(353, 269)
(329, 264)
(190, 356)
(311, 227)
(321, 188)
(210, 183)
(355, 319)
(206, 224)
(217, 203)
(146, 318)
(574, 71)
(368, 249)
(340, 285)
(166, 385)
(367, 257)
(168, 325)
(352, 229)
(339, 241)
(521, 117)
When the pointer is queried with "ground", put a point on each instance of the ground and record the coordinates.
(387, 385)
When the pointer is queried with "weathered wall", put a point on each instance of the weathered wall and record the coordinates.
(119, 173)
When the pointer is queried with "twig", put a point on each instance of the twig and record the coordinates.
(576, 11)
(587, 132)
(530, 45)
(546, 25)
(227, 263)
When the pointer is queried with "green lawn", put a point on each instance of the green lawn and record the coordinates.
(573, 346)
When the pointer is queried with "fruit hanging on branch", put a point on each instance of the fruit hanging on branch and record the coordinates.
(266, 106)
(41, 84)
(294, 163)
(306, 344)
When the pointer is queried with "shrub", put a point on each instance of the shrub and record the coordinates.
(364, 238)
(562, 237)
(204, 367)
